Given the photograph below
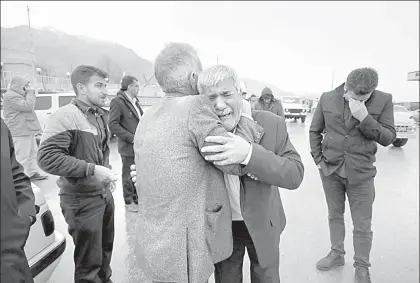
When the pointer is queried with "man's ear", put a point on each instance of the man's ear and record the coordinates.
(194, 77)
(194, 81)
(80, 88)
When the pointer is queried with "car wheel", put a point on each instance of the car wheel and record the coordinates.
(399, 142)
(303, 119)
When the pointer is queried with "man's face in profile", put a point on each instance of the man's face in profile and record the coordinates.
(134, 88)
(227, 102)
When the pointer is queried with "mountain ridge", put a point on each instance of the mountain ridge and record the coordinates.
(57, 53)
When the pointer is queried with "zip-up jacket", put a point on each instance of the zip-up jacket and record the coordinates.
(75, 139)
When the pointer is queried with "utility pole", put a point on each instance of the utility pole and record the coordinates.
(332, 81)
(32, 44)
(217, 60)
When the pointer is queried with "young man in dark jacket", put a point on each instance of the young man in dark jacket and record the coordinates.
(75, 147)
(17, 213)
(346, 127)
(124, 115)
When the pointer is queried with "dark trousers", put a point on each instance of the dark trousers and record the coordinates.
(129, 190)
(361, 199)
(90, 222)
(230, 270)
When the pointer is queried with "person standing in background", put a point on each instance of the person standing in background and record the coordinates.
(21, 119)
(124, 115)
(267, 102)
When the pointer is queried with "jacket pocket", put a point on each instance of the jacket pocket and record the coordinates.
(32, 124)
(325, 142)
(375, 112)
(211, 222)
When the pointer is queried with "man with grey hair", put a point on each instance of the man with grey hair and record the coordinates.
(347, 124)
(184, 215)
(258, 218)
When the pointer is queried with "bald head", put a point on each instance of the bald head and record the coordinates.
(177, 67)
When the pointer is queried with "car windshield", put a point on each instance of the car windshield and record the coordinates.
(399, 108)
(291, 100)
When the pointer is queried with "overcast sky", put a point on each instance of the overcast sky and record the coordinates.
(294, 45)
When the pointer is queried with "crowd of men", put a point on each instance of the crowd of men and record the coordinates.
(201, 169)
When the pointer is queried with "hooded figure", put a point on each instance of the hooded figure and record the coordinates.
(267, 102)
(20, 118)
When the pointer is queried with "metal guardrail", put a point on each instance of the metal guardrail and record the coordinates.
(44, 82)
(56, 84)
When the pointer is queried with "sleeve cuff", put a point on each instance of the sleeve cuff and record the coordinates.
(248, 157)
(90, 171)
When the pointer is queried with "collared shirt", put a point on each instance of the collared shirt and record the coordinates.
(134, 101)
(233, 185)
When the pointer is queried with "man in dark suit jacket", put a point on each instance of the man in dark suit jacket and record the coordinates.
(347, 124)
(17, 213)
(124, 116)
(258, 217)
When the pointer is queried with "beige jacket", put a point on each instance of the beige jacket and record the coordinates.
(18, 110)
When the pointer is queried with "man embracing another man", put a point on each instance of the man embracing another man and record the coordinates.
(256, 148)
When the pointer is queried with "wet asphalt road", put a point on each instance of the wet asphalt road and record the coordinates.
(395, 251)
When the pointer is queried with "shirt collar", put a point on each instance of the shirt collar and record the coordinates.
(85, 108)
(132, 100)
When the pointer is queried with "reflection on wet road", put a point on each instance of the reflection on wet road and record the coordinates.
(395, 251)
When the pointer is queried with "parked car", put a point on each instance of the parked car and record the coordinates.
(45, 245)
(294, 108)
(415, 116)
(404, 125)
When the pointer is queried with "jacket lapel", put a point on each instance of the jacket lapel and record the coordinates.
(353, 122)
(130, 105)
(340, 104)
